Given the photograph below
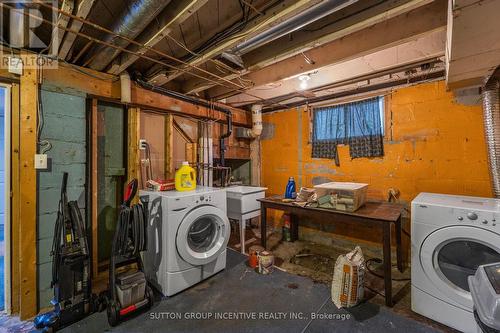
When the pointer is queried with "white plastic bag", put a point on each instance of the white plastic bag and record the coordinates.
(348, 279)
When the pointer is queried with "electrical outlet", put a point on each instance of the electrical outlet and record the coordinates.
(142, 144)
(40, 161)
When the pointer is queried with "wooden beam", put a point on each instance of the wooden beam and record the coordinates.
(173, 15)
(133, 168)
(27, 178)
(94, 187)
(63, 20)
(83, 81)
(147, 99)
(286, 10)
(395, 31)
(355, 17)
(169, 146)
(472, 54)
(15, 201)
(83, 11)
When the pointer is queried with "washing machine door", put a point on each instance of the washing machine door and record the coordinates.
(451, 254)
(202, 235)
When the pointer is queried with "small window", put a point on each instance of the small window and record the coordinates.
(358, 124)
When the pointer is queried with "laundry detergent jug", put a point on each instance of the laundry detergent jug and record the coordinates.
(185, 178)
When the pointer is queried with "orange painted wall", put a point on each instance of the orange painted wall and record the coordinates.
(432, 144)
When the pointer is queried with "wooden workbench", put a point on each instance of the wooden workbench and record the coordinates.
(382, 214)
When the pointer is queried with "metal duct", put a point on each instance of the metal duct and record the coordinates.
(133, 19)
(491, 114)
(308, 16)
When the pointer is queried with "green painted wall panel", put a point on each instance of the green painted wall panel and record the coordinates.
(65, 128)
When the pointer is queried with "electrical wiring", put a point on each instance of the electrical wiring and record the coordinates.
(100, 28)
(44, 145)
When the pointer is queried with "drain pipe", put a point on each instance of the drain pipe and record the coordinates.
(222, 146)
(491, 114)
(256, 130)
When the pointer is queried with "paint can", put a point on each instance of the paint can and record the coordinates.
(266, 262)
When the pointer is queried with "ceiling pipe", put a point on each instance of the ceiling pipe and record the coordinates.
(132, 21)
(491, 116)
(296, 22)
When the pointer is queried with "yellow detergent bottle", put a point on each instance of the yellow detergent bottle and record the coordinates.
(185, 178)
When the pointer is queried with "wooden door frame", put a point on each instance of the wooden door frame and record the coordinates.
(131, 157)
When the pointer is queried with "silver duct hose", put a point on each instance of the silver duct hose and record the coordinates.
(491, 114)
(308, 16)
(130, 23)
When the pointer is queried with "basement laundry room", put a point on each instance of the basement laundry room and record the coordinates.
(250, 166)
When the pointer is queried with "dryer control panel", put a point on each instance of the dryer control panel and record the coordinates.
(479, 218)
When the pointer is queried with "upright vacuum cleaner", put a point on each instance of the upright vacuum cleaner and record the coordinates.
(128, 291)
(70, 268)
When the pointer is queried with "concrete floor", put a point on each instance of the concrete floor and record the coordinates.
(240, 291)
(316, 259)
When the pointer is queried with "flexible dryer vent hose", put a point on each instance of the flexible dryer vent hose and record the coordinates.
(491, 114)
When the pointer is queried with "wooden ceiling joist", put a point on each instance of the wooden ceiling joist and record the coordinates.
(72, 80)
(353, 18)
(287, 8)
(472, 50)
(397, 30)
(83, 11)
(174, 14)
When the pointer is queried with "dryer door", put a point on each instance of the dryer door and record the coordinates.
(202, 235)
(451, 254)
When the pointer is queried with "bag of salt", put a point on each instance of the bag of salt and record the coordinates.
(348, 279)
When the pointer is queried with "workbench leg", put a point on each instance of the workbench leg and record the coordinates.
(242, 234)
(263, 226)
(399, 251)
(386, 240)
(294, 227)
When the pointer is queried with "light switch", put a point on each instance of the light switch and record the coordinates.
(40, 161)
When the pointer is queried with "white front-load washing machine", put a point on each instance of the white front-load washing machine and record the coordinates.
(187, 237)
(451, 236)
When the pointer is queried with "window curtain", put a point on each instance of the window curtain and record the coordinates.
(357, 124)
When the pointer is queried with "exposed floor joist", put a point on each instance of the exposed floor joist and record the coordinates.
(286, 9)
(175, 14)
(382, 35)
(428, 48)
(473, 50)
(349, 20)
(83, 11)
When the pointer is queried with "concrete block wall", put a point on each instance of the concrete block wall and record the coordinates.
(432, 144)
(65, 128)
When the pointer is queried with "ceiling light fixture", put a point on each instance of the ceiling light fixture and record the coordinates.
(303, 81)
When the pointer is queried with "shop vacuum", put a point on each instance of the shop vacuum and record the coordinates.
(128, 291)
(70, 269)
